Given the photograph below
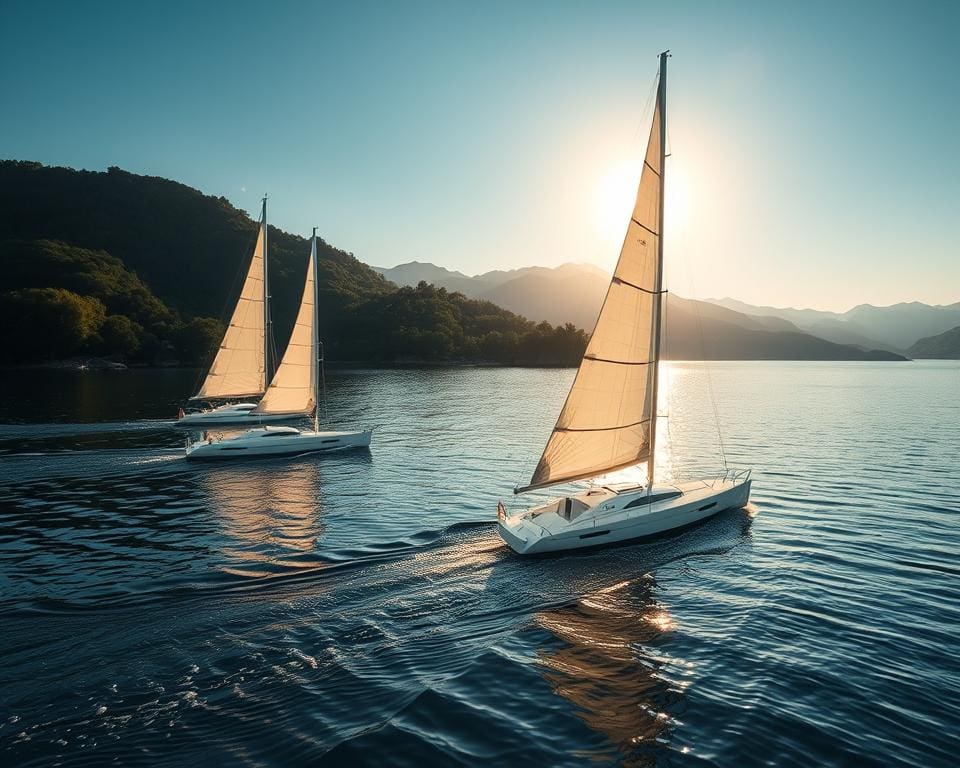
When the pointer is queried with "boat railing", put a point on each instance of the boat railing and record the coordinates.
(735, 476)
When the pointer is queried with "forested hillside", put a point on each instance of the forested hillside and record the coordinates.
(145, 269)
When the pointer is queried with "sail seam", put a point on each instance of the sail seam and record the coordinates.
(601, 429)
(634, 285)
(646, 163)
(616, 362)
(644, 226)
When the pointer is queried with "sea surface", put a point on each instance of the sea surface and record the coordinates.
(360, 609)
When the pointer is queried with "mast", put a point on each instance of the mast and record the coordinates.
(658, 295)
(317, 355)
(267, 330)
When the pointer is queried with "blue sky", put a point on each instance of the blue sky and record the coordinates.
(816, 158)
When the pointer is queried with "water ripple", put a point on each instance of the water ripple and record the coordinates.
(362, 610)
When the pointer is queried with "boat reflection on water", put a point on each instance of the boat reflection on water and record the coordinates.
(271, 511)
(604, 666)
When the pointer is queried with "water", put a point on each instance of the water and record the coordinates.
(361, 610)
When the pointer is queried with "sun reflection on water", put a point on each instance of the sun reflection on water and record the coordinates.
(270, 511)
(604, 667)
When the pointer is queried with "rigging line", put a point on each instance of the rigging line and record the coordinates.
(668, 150)
(646, 115)
(647, 104)
(706, 364)
(322, 405)
(713, 399)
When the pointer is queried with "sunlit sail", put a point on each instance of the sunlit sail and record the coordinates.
(241, 368)
(608, 421)
(294, 390)
(293, 387)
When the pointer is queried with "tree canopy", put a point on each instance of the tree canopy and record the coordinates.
(140, 268)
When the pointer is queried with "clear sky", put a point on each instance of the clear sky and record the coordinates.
(816, 145)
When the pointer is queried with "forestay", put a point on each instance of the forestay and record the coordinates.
(605, 423)
(239, 368)
(294, 385)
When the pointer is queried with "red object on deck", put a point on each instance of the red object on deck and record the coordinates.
(180, 414)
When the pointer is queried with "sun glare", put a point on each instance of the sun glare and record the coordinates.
(677, 194)
(617, 192)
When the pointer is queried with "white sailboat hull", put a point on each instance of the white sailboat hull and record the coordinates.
(277, 441)
(235, 413)
(617, 516)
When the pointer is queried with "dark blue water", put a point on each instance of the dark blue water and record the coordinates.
(361, 610)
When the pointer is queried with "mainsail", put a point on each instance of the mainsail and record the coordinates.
(239, 369)
(607, 420)
(294, 385)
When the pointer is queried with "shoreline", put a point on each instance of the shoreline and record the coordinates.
(114, 367)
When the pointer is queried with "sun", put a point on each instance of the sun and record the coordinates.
(615, 197)
(617, 192)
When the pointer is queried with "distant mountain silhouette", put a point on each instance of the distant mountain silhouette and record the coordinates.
(695, 336)
(903, 324)
(573, 293)
(413, 272)
(943, 346)
(570, 293)
(893, 328)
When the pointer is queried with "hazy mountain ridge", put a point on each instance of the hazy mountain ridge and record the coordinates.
(895, 327)
(574, 293)
(570, 293)
(943, 346)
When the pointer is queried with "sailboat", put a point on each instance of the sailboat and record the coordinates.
(608, 421)
(240, 371)
(295, 388)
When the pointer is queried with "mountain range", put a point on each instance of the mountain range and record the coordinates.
(574, 293)
(570, 293)
(145, 269)
(896, 327)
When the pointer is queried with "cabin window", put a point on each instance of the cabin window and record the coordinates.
(644, 500)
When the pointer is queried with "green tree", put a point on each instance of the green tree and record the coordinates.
(48, 323)
(196, 342)
(120, 335)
